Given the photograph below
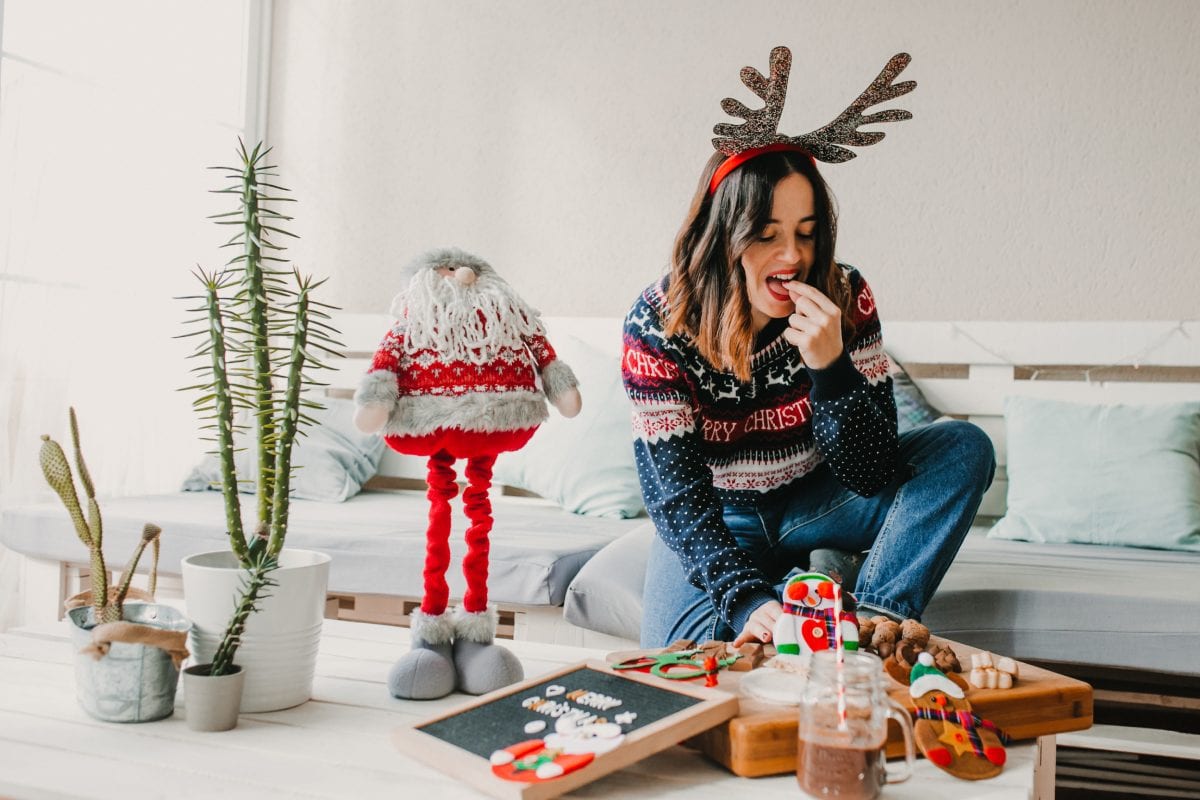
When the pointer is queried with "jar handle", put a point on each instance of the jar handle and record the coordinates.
(902, 716)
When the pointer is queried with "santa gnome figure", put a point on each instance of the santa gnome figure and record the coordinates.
(457, 378)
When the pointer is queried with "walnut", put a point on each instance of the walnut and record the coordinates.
(915, 632)
(885, 636)
(866, 629)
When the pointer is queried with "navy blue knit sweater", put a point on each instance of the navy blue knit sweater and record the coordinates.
(704, 439)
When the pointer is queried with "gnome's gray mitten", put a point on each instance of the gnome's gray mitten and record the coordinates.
(482, 665)
(426, 671)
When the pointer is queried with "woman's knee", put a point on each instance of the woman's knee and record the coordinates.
(963, 444)
(973, 449)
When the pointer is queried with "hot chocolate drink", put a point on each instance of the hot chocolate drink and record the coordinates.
(849, 772)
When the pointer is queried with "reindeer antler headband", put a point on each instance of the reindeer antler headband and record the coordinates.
(759, 133)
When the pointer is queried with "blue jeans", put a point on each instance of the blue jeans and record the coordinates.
(912, 530)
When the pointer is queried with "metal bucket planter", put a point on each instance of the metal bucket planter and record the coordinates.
(132, 682)
(279, 647)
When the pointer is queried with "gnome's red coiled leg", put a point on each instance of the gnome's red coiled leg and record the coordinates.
(442, 490)
(479, 510)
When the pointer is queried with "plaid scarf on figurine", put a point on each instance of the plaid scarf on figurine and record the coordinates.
(967, 720)
(823, 614)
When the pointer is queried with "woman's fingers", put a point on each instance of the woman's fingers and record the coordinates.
(809, 308)
(798, 289)
(751, 633)
(760, 625)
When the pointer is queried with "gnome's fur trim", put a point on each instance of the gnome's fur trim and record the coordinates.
(557, 378)
(377, 388)
(476, 627)
(418, 415)
(433, 628)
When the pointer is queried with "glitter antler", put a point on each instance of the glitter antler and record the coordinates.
(761, 127)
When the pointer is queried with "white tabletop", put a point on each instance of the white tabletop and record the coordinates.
(337, 745)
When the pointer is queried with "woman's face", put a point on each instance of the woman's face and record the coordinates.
(782, 251)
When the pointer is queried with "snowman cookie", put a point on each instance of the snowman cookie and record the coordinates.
(808, 622)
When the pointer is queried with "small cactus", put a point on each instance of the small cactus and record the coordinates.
(90, 529)
(257, 579)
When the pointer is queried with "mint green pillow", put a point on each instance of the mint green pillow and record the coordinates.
(584, 464)
(1102, 474)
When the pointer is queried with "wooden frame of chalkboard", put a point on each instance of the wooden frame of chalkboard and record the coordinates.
(459, 742)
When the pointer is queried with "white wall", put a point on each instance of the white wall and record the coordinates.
(1049, 172)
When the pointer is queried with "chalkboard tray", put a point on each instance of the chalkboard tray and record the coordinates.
(461, 741)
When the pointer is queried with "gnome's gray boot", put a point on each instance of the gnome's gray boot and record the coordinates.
(426, 671)
(482, 665)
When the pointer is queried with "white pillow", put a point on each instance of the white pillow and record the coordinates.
(584, 464)
(331, 462)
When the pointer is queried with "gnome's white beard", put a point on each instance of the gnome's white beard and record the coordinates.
(464, 323)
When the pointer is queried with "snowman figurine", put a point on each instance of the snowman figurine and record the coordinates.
(808, 622)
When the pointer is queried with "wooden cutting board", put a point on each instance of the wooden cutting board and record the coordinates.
(761, 739)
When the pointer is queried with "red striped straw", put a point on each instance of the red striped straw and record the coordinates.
(840, 649)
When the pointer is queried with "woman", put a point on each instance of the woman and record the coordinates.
(765, 423)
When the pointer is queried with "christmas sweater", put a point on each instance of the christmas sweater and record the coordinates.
(704, 438)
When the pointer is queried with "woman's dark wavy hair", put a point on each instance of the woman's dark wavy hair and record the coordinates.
(707, 298)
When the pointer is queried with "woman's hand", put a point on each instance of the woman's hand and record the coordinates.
(761, 624)
(816, 327)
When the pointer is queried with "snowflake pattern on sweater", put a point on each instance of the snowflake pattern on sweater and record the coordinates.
(704, 438)
(426, 372)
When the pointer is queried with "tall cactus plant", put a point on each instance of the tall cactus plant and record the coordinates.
(261, 333)
(90, 527)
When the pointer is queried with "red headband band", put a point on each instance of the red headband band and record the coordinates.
(737, 159)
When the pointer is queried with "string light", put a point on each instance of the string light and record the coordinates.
(1135, 359)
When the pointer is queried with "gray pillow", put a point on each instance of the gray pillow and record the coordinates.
(912, 409)
(332, 461)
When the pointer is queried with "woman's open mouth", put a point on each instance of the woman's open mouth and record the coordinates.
(775, 282)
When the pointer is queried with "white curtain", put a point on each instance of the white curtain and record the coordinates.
(109, 115)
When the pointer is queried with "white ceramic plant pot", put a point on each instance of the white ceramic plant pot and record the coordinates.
(279, 647)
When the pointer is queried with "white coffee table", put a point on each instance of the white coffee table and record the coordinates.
(337, 745)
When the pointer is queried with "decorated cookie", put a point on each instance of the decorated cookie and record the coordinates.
(576, 741)
(946, 731)
(809, 622)
(532, 761)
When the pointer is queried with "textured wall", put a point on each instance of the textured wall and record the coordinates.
(1049, 172)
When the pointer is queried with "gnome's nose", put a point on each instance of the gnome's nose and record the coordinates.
(464, 275)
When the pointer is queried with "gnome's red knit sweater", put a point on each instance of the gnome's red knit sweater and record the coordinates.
(469, 406)
(426, 373)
